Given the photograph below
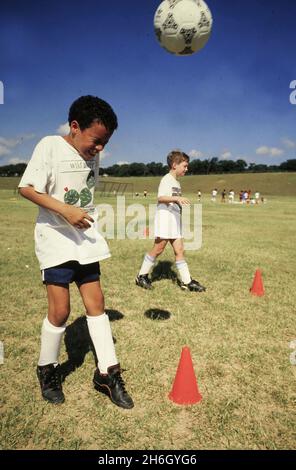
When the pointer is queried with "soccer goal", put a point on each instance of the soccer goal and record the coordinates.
(106, 187)
(113, 188)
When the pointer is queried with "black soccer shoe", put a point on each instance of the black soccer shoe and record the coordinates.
(143, 281)
(112, 384)
(50, 383)
(193, 286)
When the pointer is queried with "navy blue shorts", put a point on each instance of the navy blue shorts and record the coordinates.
(71, 271)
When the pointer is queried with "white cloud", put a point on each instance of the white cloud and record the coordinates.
(14, 161)
(4, 150)
(275, 152)
(226, 155)
(263, 150)
(271, 151)
(7, 144)
(104, 154)
(16, 140)
(195, 153)
(63, 129)
(290, 144)
(122, 163)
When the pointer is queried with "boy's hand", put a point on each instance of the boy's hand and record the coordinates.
(76, 216)
(182, 201)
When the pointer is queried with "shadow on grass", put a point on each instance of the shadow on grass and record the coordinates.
(163, 270)
(157, 314)
(78, 343)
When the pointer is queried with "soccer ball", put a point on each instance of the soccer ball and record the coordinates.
(183, 27)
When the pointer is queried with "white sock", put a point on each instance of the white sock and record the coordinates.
(147, 264)
(100, 332)
(182, 267)
(51, 340)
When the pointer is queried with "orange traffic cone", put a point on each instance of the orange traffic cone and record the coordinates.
(185, 390)
(257, 287)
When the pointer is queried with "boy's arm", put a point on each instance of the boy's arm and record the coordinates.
(177, 199)
(74, 215)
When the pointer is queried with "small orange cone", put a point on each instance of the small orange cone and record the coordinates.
(257, 287)
(185, 390)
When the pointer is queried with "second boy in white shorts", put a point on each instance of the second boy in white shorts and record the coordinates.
(168, 225)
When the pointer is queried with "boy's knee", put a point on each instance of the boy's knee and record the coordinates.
(161, 247)
(95, 307)
(159, 250)
(58, 317)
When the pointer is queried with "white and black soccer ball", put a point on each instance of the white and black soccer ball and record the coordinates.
(183, 27)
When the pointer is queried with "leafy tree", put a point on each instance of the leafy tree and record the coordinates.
(289, 165)
(137, 169)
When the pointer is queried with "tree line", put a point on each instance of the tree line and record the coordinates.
(196, 167)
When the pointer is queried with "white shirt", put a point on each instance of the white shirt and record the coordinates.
(168, 215)
(57, 169)
(169, 186)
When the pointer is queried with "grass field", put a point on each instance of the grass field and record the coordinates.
(269, 184)
(239, 343)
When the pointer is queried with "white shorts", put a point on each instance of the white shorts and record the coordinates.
(167, 224)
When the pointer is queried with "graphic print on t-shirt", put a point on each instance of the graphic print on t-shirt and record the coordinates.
(82, 192)
(71, 196)
(176, 191)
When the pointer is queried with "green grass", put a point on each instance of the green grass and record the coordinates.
(276, 184)
(269, 184)
(239, 343)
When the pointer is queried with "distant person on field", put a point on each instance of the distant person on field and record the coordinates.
(145, 193)
(60, 180)
(257, 197)
(199, 195)
(231, 196)
(223, 196)
(214, 195)
(168, 225)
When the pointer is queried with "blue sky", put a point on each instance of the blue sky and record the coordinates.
(230, 100)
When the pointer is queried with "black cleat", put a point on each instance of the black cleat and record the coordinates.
(143, 281)
(50, 382)
(193, 286)
(112, 384)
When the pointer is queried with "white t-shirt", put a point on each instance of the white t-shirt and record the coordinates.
(58, 170)
(168, 216)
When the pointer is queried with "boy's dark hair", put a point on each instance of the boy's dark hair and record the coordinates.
(88, 109)
(176, 156)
